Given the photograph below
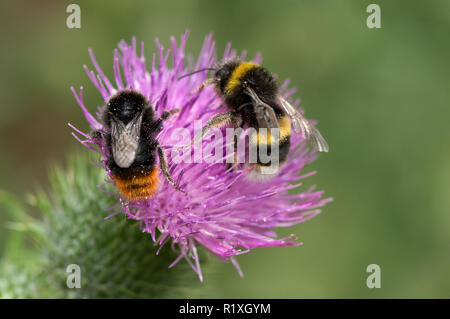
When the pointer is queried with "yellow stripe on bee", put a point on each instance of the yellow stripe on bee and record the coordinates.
(285, 131)
(237, 74)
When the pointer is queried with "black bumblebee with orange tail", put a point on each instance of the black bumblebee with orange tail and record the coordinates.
(253, 98)
(130, 133)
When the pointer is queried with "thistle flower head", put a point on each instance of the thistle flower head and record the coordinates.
(221, 210)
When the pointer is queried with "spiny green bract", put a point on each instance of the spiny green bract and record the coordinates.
(16, 282)
(116, 259)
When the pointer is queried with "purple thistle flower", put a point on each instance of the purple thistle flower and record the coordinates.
(222, 210)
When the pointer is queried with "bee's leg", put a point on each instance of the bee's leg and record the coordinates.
(166, 115)
(217, 121)
(97, 135)
(235, 144)
(165, 168)
(206, 83)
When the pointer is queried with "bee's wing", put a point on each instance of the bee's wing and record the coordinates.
(265, 115)
(125, 140)
(301, 124)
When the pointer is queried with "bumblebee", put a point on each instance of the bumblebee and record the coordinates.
(130, 134)
(253, 98)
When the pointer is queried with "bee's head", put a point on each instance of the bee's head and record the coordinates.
(126, 105)
(223, 74)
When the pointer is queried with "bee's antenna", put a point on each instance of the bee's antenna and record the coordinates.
(197, 71)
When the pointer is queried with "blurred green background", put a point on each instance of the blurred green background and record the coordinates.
(381, 96)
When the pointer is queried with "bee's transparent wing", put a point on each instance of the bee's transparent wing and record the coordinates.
(265, 115)
(125, 140)
(301, 124)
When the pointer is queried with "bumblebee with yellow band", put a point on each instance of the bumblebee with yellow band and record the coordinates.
(253, 98)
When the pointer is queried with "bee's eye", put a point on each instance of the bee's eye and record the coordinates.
(222, 73)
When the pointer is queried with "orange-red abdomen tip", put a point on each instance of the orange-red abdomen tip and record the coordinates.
(139, 187)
